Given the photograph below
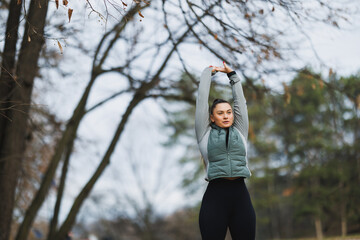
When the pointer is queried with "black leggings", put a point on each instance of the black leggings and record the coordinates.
(227, 203)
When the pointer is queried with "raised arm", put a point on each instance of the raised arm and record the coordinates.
(241, 120)
(202, 104)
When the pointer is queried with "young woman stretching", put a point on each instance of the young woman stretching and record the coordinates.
(222, 141)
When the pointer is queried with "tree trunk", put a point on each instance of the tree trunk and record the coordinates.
(13, 130)
(68, 136)
(8, 174)
(60, 192)
(70, 220)
(318, 228)
(343, 218)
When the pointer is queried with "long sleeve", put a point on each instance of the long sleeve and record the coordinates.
(241, 120)
(202, 104)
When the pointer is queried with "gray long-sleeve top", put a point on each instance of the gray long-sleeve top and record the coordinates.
(202, 121)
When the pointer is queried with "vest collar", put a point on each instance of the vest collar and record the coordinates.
(214, 126)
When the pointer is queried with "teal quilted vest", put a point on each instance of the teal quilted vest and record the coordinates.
(226, 160)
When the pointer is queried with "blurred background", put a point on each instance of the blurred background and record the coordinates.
(97, 106)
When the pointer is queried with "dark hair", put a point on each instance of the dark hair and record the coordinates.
(216, 102)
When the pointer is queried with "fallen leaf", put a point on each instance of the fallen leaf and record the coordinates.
(57, 4)
(215, 36)
(61, 49)
(273, 9)
(124, 3)
(65, 2)
(70, 11)
(261, 11)
(141, 14)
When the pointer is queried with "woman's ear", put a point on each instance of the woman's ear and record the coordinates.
(212, 118)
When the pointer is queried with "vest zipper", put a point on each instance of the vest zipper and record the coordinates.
(228, 151)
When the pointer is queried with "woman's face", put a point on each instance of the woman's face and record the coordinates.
(222, 115)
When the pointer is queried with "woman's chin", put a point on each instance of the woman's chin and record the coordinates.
(225, 125)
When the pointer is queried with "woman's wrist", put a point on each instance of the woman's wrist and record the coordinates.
(229, 74)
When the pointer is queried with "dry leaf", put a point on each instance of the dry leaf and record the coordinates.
(141, 14)
(124, 3)
(252, 135)
(215, 36)
(70, 11)
(61, 49)
(287, 95)
(57, 4)
(261, 11)
(65, 2)
(330, 72)
(300, 91)
(273, 9)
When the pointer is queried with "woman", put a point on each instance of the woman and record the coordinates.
(222, 141)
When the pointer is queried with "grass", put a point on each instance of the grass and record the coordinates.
(350, 237)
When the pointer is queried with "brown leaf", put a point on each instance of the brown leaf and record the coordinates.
(288, 192)
(57, 4)
(330, 72)
(61, 49)
(141, 14)
(124, 3)
(70, 11)
(300, 91)
(287, 95)
(273, 9)
(335, 24)
(65, 2)
(261, 11)
(215, 36)
(252, 135)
